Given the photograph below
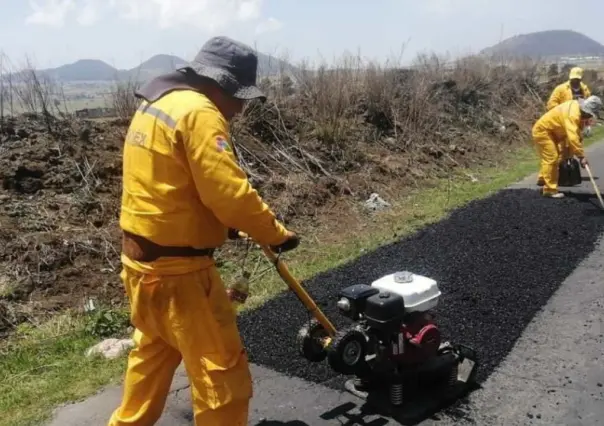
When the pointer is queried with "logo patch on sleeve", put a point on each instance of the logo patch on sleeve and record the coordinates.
(222, 145)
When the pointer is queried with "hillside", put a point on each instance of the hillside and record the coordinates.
(153, 66)
(90, 69)
(546, 44)
(316, 155)
(97, 70)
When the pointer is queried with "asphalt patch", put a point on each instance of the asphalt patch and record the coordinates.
(497, 261)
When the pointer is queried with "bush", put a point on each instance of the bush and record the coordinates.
(106, 322)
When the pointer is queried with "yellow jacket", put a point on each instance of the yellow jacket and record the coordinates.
(182, 185)
(561, 123)
(563, 93)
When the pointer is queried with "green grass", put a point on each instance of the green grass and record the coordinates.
(42, 367)
(597, 133)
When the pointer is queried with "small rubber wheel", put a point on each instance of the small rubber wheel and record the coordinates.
(310, 339)
(346, 352)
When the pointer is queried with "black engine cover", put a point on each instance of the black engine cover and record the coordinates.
(385, 310)
(358, 291)
(357, 296)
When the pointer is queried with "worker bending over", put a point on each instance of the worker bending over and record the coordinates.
(565, 121)
(182, 192)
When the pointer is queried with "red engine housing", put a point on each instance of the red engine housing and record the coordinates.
(417, 340)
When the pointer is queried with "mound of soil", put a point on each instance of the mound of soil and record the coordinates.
(497, 262)
(58, 211)
(61, 188)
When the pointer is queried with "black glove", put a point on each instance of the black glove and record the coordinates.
(291, 243)
(233, 234)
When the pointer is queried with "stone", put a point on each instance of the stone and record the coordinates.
(111, 348)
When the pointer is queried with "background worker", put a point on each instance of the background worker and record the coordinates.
(182, 192)
(565, 121)
(574, 88)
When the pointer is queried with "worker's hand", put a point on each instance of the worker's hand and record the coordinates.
(583, 162)
(290, 243)
(233, 234)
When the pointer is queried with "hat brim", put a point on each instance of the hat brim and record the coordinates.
(595, 115)
(226, 81)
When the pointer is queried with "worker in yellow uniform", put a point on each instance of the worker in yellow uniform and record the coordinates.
(574, 88)
(183, 194)
(562, 122)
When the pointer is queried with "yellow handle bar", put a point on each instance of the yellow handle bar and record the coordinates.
(297, 288)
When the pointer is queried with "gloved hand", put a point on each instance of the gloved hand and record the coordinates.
(290, 243)
(583, 161)
(233, 234)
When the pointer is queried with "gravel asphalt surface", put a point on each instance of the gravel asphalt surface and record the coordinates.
(522, 284)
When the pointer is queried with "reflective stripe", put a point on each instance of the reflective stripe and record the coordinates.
(160, 115)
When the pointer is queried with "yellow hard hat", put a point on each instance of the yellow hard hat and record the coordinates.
(576, 72)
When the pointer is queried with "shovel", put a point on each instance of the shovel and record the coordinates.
(593, 182)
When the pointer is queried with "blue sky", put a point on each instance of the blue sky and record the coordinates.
(125, 32)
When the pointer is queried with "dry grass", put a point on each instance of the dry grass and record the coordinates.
(329, 136)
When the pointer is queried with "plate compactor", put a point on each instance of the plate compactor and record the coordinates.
(393, 345)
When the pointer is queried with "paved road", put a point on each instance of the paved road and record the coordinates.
(553, 376)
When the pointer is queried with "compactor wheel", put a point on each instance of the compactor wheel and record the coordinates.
(346, 352)
(311, 341)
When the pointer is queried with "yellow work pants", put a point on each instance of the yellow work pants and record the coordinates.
(184, 317)
(549, 161)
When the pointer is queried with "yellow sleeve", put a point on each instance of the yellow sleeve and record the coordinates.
(586, 91)
(553, 99)
(221, 184)
(573, 135)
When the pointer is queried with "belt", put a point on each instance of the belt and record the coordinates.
(143, 250)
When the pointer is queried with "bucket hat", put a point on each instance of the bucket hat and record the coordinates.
(591, 105)
(231, 64)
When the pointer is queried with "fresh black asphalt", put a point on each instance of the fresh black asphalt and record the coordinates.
(497, 261)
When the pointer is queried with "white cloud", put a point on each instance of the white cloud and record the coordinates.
(134, 10)
(51, 13)
(249, 10)
(89, 14)
(270, 25)
(208, 15)
(447, 7)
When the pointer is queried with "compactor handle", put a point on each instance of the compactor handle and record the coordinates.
(296, 287)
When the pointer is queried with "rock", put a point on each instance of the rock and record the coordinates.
(111, 348)
(375, 202)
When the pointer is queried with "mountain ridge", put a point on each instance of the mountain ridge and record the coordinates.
(98, 70)
(547, 44)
